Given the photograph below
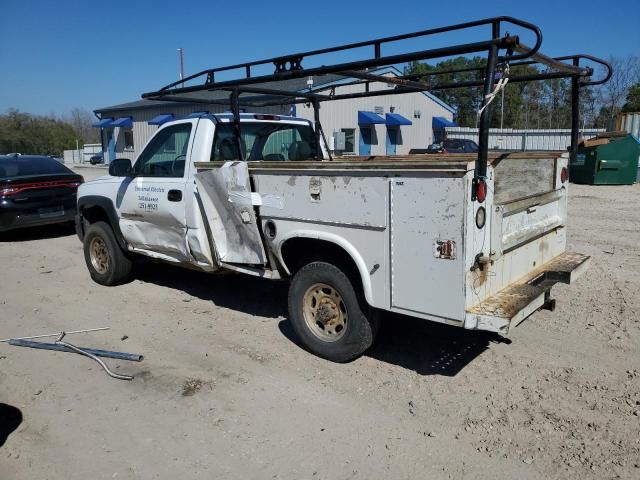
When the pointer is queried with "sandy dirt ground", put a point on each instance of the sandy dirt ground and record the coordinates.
(225, 391)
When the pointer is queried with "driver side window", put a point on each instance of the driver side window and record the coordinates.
(166, 155)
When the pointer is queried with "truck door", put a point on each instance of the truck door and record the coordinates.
(151, 202)
(228, 206)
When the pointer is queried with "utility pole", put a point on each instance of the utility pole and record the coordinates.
(181, 55)
(502, 110)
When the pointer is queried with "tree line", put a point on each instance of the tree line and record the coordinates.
(540, 105)
(22, 132)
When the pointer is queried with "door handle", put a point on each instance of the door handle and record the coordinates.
(174, 195)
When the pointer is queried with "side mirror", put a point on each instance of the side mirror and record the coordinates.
(120, 167)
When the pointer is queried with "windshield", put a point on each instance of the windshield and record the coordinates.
(264, 141)
(24, 166)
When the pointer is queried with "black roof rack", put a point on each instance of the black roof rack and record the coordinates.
(288, 83)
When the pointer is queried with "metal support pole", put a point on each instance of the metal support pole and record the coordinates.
(235, 109)
(575, 113)
(485, 116)
(181, 54)
(318, 129)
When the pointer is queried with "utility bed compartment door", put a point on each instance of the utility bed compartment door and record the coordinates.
(227, 202)
(517, 222)
(427, 252)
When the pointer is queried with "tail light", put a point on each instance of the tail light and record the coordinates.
(7, 191)
(564, 175)
(479, 190)
(10, 190)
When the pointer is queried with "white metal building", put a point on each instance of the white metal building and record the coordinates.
(126, 128)
(383, 125)
(390, 124)
(523, 140)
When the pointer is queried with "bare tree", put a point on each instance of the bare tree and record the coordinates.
(81, 121)
(612, 95)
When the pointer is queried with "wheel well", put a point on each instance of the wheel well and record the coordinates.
(95, 214)
(297, 252)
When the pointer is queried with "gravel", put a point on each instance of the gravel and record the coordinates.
(225, 391)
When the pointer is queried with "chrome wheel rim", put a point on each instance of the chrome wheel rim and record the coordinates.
(324, 312)
(99, 255)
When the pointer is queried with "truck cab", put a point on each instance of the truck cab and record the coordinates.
(152, 203)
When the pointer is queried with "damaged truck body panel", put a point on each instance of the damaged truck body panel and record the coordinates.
(229, 206)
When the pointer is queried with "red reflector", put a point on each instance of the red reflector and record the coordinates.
(20, 187)
(564, 175)
(267, 117)
(481, 191)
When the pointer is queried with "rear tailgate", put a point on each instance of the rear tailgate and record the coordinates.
(527, 242)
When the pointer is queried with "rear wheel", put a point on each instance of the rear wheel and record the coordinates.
(325, 312)
(107, 263)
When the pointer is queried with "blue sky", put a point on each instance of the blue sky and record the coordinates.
(57, 55)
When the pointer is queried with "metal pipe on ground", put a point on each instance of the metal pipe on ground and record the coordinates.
(132, 357)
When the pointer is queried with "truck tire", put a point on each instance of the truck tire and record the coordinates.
(107, 263)
(325, 312)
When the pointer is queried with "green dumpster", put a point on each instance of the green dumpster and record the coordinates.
(606, 160)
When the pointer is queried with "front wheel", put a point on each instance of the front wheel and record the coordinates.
(107, 263)
(326, 314)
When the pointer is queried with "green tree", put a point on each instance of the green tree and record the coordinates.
(522, 105)
(633, 99)
(465, 100)
(38, 135)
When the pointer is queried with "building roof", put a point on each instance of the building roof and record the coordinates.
(298, 84)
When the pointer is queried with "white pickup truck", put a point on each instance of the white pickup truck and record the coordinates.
(413, 235)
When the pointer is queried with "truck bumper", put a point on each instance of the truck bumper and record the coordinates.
(512, 305)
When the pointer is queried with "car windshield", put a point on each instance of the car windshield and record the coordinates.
(24, 166)
(264, 141)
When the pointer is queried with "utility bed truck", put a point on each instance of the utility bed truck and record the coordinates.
(475, 241)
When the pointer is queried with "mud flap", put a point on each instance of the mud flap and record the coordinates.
(228, 205)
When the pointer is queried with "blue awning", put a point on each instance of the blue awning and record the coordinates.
(369, 118)
(122, 122)
(196, 114)
(395, 119)
(441, 122)
(104, 123)
(160, 119)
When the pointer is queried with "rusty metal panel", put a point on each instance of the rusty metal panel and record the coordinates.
(514, 265)
(520, 178)
(512, 305)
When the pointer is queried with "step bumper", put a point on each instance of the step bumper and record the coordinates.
(511, 306)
